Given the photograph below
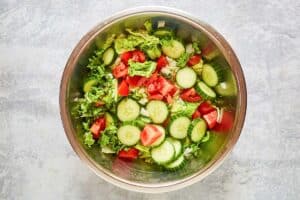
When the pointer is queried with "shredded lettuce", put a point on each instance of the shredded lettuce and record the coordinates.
(110, 139)
(196, 48)
(182, 60)
(148, 26)
(88, 139)
(141, 69)
(180, 107)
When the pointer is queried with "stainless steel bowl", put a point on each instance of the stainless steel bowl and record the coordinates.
(137, 176)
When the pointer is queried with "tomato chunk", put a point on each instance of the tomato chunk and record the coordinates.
(150, 134)
(135, 81)
(123, 89)
(155, 97)
(138, 56)
(196, 114)
(97, 127)
(205, 107)
(226, 122)
(190, 95)
(130, 154)
(125, 57)
(195, 59)
(161, 62)
(120, 70)
(211, 119)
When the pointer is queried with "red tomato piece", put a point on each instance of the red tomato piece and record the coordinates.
(211, 119)
(97, 127)
(130, 154)
(166, 86)
(155, 97)
(123, 89)
(196, 114)
(138, 56)
(195, 59)
(205, 108)
(135, 81)
(150, 134)
(120, 70)
(226, 123)
(126, 56)
(161, 62)
(190, 95)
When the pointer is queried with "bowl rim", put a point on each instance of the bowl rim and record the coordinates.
(225, 49)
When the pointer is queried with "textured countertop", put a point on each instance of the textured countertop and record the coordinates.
(36, 160)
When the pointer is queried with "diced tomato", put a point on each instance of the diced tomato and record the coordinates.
(130, 154)
(120, 70)
(160, 88)
(196, 114)
(211, 119)
(138, 56)
(161, 62)
(226, 123)
(205, 107)
(97, 127)
(123, 89)
(155, 97)
(166, 86)
(135, 81)
(190, 95)
(195, 59)
(126, 56)
(150, 134)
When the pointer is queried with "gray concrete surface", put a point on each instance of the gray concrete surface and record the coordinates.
(37, 162)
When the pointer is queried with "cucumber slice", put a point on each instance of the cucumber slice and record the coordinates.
(174, 49)
(108, 56)
(179, 127)
(212, 74)
(197, 130)
(129, 135)
(160, 140)
(158, 111)
(176, 164)
(87, 86)
(109, 119)
(177, 146)
(186, 77)
(128, 110)
(164, 153)
(228, 87)
(205, 91)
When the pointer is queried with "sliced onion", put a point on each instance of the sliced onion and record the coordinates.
(220, 114)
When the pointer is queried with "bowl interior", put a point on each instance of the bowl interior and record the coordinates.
(138, 172)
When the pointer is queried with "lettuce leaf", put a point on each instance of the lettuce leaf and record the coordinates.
(180, 107)
(88, 139)
(141, 69)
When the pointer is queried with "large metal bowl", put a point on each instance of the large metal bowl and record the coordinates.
(137, 176)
